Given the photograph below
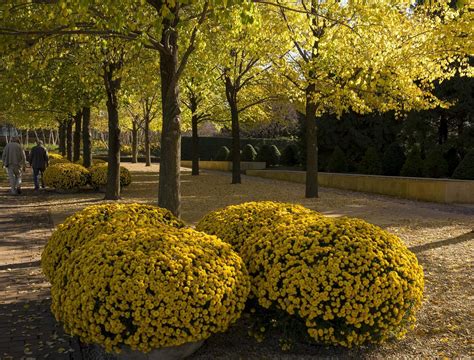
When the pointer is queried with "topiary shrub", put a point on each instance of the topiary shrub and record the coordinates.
(223, 154)
(452, 158)
(413, 165)
(337, 162)
(393, 160)
(150, 288)
(66, 176)
(269, 154)
(342, 281)
(435, 165)
(249, 153)
(465, 169)
(290, 155)
(230, 156)
(94, 220)
(235, 223)
(370, 163)
(98, 176)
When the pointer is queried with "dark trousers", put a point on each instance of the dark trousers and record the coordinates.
(36, 172)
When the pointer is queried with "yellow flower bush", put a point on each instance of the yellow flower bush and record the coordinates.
(57, 159)
(150, 288)
(64, 176)
(235, 223)
(99, 175)
(348, 281)
(95, 220)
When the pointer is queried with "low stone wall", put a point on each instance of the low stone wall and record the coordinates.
(225, 165)
(425, 189)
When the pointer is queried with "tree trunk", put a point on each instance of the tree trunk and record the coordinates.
(62, 138)
(169, 194)
(236, 178)
(195, 145)
(311, 146)
(147, 141)
(443, 129)
(77, 136)
(69, 139)
(112, 85)
(134, 142)
(86, 137)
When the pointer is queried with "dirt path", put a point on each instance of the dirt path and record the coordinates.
(441, 236)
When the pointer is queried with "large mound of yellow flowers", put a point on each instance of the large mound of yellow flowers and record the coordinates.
(350, 282)
(150, 288)
(95, 220)
(57, 159)
(234, 224)
(66, 176)
(99, 175)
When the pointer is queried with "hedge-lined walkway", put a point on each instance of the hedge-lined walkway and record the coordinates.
(440, 235)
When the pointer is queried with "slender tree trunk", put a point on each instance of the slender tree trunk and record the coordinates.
(195, 145)
(112, 85)
(62, 138)
(77, 135)
(311, 146)
(44, 136)
(27, 138)
(236, 178)
(69, 139)
(169, 193)
(86, 136)
(134, 142)
(147, 141)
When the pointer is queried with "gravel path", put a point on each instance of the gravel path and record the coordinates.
(441, 236)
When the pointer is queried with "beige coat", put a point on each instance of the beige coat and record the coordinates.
(13, 155)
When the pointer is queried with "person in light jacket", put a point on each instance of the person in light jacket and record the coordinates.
(14, 160)
(39, 162)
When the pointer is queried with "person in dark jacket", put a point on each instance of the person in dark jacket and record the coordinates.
(39, 162)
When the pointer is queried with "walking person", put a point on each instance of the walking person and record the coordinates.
(14, 160)
(39, 162)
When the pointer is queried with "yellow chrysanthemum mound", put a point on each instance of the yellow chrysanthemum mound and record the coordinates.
(150, 288)
(66, 176)
(95, 220)
(99, 175)
(234, 224)
(57, 159)
(349, 282)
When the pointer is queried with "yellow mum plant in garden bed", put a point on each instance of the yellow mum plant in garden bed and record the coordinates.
(65, 176)
(349, 282)
(57, 159)
(150, 288)
(95, 220)
(99, 175)
(235, 223)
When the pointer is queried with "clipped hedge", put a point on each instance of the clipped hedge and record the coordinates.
(337, 162)
(413, 165)
(290, 155)
(66, 176)
(435, 165)
(393, 160)
(223, 154)
(465, 169)
(269, 154)
(95, 220)
(370, 163)
(249, 153)
(150, 288)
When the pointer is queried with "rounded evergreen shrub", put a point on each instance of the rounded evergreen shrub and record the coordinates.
(435, 165)
(337, 162)
(343, 281)
(94, 220)
(453, 159)
(290, 155)
(413, 165)
(370, 163)
(223, 154)
(269, 154)
(393, 160)
(66, 176)
(465, 169)
(98, 176)
(150, 288)
(236, 223)
(249, 153)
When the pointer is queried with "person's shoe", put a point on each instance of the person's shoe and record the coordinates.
(36, 189)
(18, 191)
(13, 192)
